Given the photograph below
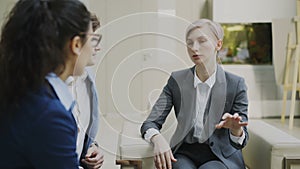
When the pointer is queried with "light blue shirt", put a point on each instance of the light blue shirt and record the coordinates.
(61, 90)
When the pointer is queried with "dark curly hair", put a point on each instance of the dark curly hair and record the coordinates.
(33, 42)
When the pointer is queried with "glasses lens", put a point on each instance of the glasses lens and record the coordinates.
(96, 38)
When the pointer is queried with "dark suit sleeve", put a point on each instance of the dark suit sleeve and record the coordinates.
(161, 108)
(240, 106)
(53, 140)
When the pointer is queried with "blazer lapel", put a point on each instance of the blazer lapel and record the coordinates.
(188, 99)
(217, 102)
(188, 105)
(186, 116)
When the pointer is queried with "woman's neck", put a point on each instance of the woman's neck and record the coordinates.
(63, 72)
(203, 72)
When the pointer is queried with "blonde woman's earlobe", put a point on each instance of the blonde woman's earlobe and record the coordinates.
(76, 45)
(219, 45)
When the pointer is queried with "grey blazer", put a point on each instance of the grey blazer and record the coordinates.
(227, 95)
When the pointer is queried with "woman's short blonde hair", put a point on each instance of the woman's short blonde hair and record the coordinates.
(215, 27)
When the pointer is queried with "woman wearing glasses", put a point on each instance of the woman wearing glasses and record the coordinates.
(42, 43)
(85, 110)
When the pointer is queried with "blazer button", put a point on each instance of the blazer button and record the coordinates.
(211, 144)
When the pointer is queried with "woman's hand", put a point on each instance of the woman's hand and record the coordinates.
(163, 156)
(94, 158)
(232, 122)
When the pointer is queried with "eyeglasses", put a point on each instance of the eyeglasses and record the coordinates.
(95, 40)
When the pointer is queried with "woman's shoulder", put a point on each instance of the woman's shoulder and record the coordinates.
(45, 114)
(183, 72)
(235, 80)
(44, 125)
(43, 104)
(234, 77)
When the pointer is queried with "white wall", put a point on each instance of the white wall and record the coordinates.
(280, 30)
(263, 93)
(5, 7)
(235, 11)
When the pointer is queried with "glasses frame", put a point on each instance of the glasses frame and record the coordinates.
(93, 34)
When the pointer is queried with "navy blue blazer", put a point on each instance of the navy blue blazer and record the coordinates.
(41, 133)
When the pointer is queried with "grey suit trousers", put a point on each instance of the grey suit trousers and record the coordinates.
(196, 156)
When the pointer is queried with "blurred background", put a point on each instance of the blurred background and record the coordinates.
(144, 41)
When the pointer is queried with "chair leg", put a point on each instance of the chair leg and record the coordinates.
(283, 111)
(137, 164)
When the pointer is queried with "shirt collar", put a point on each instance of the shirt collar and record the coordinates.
(83, 76)
(71, 79)
(210, 81)
(61, 90)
